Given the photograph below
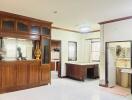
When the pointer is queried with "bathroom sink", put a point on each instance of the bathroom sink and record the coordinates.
(126, 70)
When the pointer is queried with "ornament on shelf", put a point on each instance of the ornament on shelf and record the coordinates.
(37, 51)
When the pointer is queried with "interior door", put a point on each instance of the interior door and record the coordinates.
(111, 66)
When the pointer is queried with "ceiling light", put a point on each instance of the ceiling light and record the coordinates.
(84, 29)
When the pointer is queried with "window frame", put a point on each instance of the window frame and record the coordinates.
(69, 59)
(94, 41)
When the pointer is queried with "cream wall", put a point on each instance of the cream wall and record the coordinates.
(66, 36)
(116, 31)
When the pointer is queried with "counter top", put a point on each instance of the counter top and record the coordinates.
(18, 60)
(126, 70)
(81, 63)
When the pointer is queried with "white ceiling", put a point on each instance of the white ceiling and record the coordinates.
(71, 13)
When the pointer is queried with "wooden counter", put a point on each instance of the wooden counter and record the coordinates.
(17, 75)
(80, 71)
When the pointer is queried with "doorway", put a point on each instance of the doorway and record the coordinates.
(55, 58)
(118, 59)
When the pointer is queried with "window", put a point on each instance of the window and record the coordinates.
(11, 46)
(95, 50)
(72, 51)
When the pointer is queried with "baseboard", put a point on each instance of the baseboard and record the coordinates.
(63, 77)
(103, 85)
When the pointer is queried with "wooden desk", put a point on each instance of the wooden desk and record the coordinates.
(82, 71)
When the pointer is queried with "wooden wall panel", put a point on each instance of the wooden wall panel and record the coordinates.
(45, 74)
(34, 73)
(52, 68)
(8, 75)
(22, 74)
(0, 76)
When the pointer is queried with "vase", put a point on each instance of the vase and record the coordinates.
(37, 51)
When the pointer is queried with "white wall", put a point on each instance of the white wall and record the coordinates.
(66, 36)
(116, 31)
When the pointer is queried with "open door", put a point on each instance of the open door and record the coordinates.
(118, 59)
(55, 58)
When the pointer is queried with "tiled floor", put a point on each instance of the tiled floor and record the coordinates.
(64, 89)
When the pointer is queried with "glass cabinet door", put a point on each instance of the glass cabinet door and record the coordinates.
(45, 31)
(8, 25)
(35, 29)
(45, 51)
(22, 27)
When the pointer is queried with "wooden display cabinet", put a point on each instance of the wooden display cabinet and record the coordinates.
(23, 74)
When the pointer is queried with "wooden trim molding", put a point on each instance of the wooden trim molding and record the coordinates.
(23, 17)
(93, 31)
(63, 29)
(115, 20)
(103, 85)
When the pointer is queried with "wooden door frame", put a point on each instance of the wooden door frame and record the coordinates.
(60, 54)
(106, 60)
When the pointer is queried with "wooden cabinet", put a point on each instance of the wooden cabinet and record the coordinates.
(8, 75)
(12, 25)
(34, 73)
(16, 75)
(45, 74)
(22, 73)
(75, 72)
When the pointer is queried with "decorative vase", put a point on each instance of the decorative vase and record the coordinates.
(37, 51)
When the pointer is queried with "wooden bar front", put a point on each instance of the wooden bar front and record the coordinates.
(16, 75)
